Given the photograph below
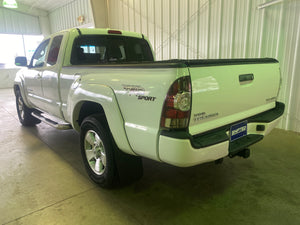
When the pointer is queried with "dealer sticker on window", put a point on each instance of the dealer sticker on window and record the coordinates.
(238, 130)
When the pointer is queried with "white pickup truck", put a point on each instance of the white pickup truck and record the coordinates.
(106, 85)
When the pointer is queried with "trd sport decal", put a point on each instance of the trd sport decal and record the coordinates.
(139, 92)
(134, 89)
(146, 98)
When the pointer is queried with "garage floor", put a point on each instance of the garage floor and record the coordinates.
(43, 181)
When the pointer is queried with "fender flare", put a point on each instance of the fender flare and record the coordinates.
(105, 97)
(19, 83)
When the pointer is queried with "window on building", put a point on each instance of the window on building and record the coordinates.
(13, 45)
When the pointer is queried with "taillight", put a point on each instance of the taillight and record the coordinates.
(177, 106)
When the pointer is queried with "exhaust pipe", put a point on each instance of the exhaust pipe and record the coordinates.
(245, 153)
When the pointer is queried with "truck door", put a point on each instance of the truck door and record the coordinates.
(33, 77)
(50, 81)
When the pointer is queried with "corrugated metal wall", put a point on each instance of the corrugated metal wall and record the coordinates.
(66, 16)
(197, 29)
(12, 22)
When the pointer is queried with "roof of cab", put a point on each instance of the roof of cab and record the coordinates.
(95, 31)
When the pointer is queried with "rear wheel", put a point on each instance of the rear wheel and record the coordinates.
(105, 164)
(24, 113)
(97, 151)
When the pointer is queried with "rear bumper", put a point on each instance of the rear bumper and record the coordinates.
(181, 149)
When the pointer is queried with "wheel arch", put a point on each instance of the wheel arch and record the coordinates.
(84, 109)
(16, 88)
(19, 87)
(107, 105)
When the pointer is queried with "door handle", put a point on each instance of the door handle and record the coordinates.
(246, 77)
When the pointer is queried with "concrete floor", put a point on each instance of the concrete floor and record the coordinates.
(43, 181)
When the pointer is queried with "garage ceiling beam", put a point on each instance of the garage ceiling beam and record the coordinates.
(100, 13)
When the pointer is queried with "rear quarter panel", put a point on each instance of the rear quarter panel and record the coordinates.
(139, 93)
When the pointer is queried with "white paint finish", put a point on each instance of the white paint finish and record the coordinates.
(132, 98)
(32, 81)
(179, 152)
(142, 117)
(251, 127)
(218, 92)
(224, 29)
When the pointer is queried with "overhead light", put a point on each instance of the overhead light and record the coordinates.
(10, 4)
(80, 19)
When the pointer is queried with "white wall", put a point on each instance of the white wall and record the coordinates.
(23, 20)
(66, 17)
(7, 77)
(195, 29)
(13, 22)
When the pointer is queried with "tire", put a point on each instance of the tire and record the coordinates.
(97, 151)
(24, 113)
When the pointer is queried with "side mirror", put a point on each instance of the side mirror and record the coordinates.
(21, 61)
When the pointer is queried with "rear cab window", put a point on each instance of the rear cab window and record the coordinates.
(108, 49)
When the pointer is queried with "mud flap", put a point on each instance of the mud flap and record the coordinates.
(129, 167)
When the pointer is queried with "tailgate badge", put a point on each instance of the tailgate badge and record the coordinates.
(204, 116)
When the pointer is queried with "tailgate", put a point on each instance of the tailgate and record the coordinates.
(226, 91)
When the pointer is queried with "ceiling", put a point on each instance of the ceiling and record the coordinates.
(47, 5)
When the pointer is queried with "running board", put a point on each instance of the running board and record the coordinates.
(58, 125)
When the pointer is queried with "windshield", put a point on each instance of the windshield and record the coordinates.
(103, 49)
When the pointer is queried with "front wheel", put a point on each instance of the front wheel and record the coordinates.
(97, 151)
(24, 113)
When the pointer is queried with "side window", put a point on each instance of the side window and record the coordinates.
(38, 58)
(54, 50)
